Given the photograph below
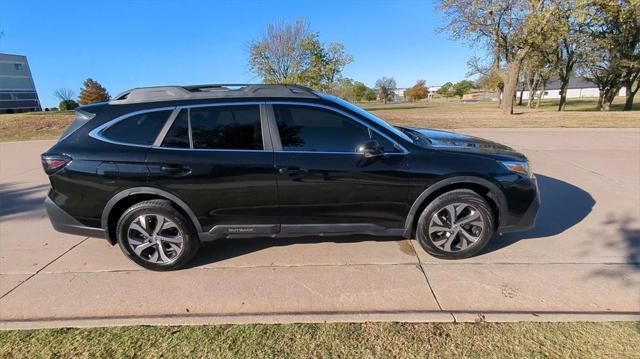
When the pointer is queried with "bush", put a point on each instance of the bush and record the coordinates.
(68, 105)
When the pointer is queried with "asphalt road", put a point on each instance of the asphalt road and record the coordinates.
(582, 261)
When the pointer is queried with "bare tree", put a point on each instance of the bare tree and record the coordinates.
(508, 29)
(385, 87)
(64, 94)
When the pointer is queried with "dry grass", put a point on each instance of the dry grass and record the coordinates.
(436, 114)
(368, 340)
(450, 114)
(34, 125)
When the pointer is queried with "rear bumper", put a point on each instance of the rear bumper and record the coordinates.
(63, 222)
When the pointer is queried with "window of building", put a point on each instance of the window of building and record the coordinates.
(226, 127)
(25, 96)
(140, 129)
(18, 67)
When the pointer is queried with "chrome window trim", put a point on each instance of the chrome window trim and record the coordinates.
(275, 145)
(96, 133)
(165, 129)
(404, 151)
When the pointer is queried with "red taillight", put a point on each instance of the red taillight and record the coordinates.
(53, 163)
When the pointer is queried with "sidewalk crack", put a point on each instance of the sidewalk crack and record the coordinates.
(43, 268)
(424, 274)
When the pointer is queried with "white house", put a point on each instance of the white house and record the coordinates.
(578, 87)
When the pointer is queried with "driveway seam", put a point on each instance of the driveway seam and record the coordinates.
(41, 269)
(433, 293)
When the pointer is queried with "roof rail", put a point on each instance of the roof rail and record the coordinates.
(211, 91)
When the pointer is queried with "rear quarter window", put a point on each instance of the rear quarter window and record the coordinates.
(139, 129)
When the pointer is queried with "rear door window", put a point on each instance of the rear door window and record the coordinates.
(226, 127)
(139, 129)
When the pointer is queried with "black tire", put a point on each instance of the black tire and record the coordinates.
(190, 240)
(461, 196)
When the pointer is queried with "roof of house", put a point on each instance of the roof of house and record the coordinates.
(574, 83)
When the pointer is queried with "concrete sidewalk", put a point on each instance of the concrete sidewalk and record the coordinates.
(582, 261)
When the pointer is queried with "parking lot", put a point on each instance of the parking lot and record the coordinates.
(582, 261)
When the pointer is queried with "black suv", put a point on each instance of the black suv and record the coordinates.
(160, 170)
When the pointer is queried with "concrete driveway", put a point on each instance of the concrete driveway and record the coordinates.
(582, 261)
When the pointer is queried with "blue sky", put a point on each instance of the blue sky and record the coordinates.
(125, 44)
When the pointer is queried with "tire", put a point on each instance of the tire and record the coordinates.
(471, 230)
(154, 248)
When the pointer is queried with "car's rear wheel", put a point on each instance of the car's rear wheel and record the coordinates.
(457, 224)
(156, 236)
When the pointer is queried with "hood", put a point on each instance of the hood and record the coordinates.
(449, 141)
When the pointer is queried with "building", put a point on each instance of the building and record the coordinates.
(17, 89)
(579, 87)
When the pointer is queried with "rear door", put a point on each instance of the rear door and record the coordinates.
(218, 159)
(324, 184)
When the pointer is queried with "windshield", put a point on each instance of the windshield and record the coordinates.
(367, 115)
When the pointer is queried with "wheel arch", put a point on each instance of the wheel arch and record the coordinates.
(126, 198)
(483, 187)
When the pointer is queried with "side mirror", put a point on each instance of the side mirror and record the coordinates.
(371, 149)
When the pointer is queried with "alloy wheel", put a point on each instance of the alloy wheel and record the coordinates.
(155, 239)
(456, 227)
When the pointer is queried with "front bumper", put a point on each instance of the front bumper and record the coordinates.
(527, 220)
(63, 222)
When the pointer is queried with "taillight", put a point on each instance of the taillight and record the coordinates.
(53, 163)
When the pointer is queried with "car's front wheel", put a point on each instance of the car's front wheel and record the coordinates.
(457, 224)
(156, 236)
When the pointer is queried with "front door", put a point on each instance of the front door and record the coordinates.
(324, 183)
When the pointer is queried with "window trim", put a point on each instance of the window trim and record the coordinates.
(97, 132)
(276, 135)
(270, 136)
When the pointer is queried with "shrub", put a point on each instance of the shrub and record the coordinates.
(68, 105)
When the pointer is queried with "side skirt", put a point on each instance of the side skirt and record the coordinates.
(297, 230)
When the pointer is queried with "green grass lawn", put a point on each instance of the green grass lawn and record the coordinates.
(369, 340)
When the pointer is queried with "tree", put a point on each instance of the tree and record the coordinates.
(462, 87)
(418, 91)
(386, 86)
(68, 105)
(446, 90)
(508, 30)
(64, 94)
(291, 53)
(93, 92)
(615, 48)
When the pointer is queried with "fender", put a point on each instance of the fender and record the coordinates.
(148, 190)
(495, 193)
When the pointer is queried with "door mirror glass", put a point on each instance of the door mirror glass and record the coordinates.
(370, 149)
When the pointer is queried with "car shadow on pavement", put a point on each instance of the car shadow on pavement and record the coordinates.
(562, 206)
(228, 248)
(21, 201)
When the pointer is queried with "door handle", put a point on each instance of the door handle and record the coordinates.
(175, 169)
(293, 171)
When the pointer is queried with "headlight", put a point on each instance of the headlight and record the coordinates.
(522, 168)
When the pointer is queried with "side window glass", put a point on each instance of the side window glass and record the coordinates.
(387, 145)
(178, 134)
(226, 127)
(305, 128)
(140, 129)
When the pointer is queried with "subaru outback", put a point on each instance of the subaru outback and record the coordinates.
(161, 170)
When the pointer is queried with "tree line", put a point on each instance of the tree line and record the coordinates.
(533, 41)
